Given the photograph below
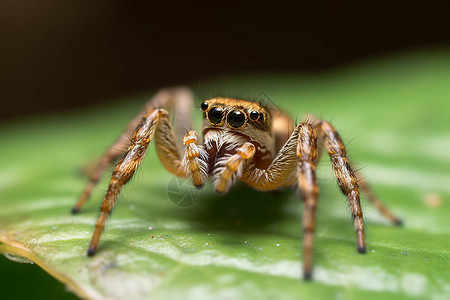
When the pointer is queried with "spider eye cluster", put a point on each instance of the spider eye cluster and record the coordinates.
(236, 118)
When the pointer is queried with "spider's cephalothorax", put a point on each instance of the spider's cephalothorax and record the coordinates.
(228, 124)
(242, 140)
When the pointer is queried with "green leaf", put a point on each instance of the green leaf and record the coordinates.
(246, 244)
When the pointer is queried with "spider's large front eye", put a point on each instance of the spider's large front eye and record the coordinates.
(215, 115)
(236, 119)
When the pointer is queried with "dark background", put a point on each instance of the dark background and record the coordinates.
(57, 55)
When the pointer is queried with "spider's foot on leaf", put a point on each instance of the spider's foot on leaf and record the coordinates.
(91, 252)
(307, 276)
(398, 222)
(199, 186)
(75, 210)
(362, 249)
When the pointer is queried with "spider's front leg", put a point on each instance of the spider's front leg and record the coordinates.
(301, 151)
(156, 120)
(308, 154)
(180, 99)
(299, 155)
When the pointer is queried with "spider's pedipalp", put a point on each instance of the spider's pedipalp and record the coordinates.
(195, 159)
(230, 167)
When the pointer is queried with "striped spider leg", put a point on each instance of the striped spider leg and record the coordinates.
(266, 158)
(177, 99)
(152, 122)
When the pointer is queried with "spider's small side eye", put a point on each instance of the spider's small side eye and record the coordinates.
(236, 119)
(254, 115)
(204, 106)
(215, 115)
(261, 117)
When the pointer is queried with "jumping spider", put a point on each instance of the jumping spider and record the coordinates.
(242, 140)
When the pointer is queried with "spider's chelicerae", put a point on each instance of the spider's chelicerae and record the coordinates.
(242, 140)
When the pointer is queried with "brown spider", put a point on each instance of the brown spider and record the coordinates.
(242, 140)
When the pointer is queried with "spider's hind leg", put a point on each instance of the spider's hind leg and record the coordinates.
(327, 134)
(345, 176)
(366, 189)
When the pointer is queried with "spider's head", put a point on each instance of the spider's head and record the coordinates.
(229, 123)
(235, 115)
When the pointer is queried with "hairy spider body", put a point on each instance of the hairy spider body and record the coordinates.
(242, 140)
